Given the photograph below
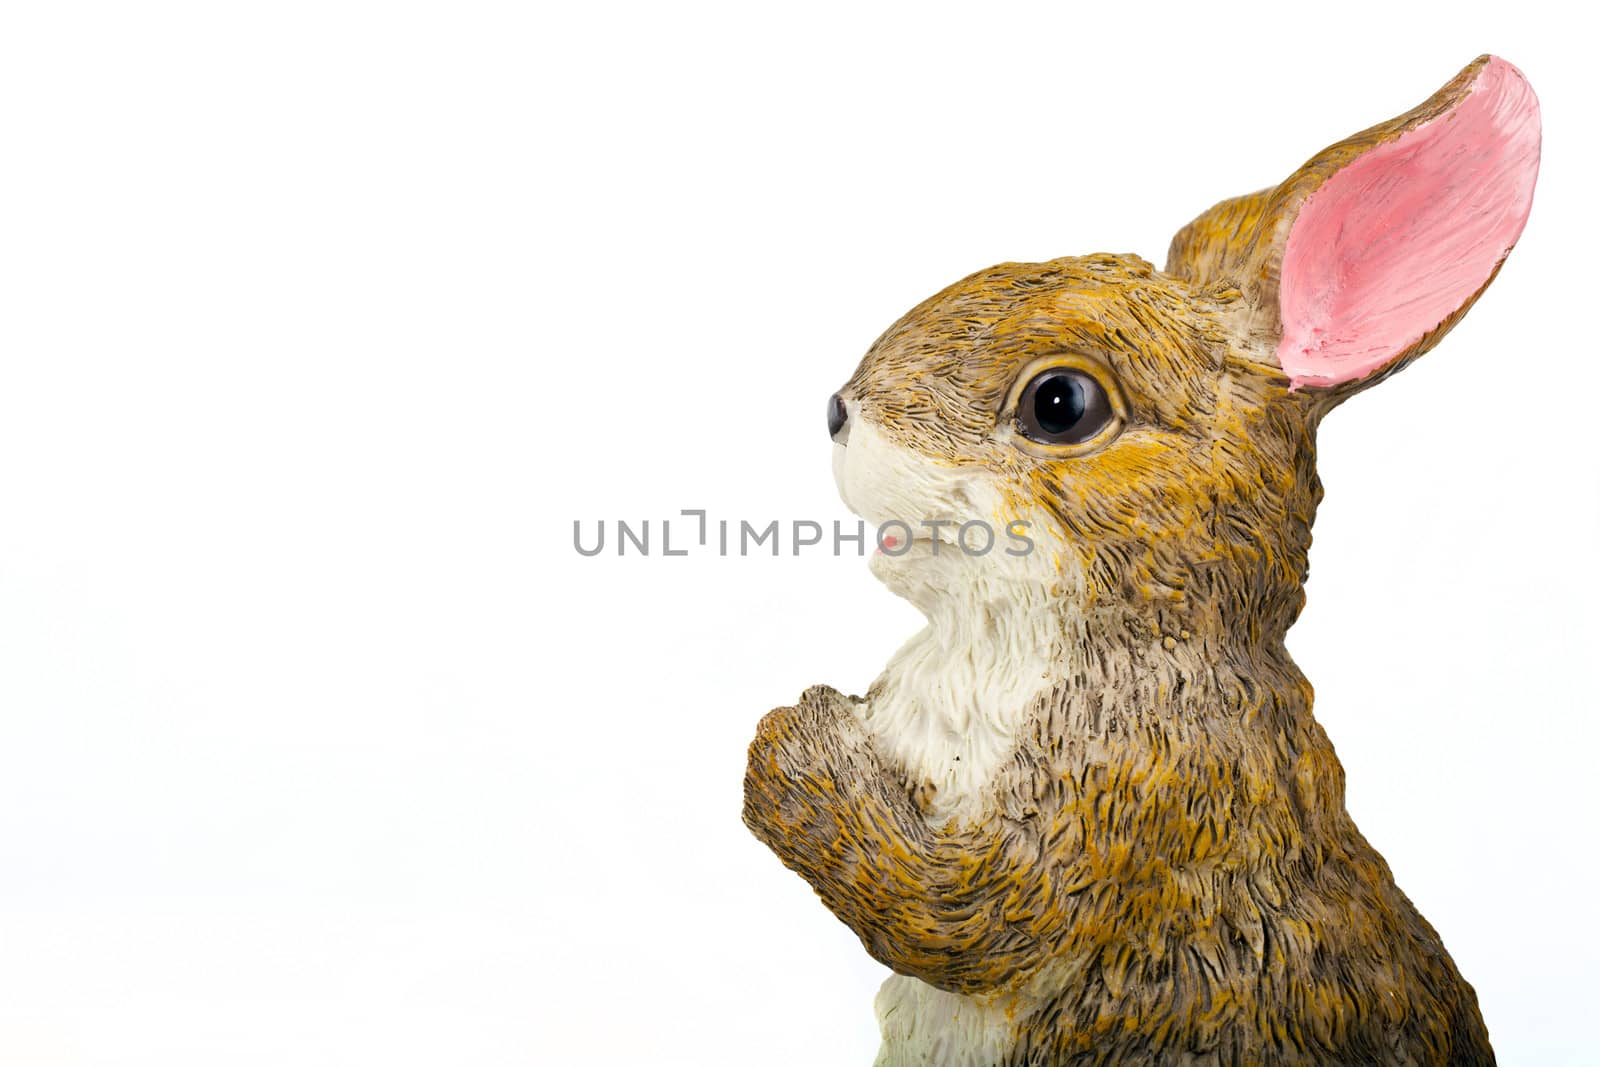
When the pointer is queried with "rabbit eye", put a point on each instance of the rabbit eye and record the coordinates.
(1063, 406)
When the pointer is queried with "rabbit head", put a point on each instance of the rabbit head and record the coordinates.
(1155, 429)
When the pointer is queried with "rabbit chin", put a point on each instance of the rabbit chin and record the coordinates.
(950, 705)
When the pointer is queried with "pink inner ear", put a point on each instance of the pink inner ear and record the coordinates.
(1397, 241)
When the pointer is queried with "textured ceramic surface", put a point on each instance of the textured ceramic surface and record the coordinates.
(1087, 815)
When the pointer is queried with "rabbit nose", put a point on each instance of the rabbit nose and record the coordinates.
(838, 419)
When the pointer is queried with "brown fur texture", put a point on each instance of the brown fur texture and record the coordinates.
(1167, 853)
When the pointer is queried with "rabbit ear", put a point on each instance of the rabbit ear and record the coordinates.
(1369, 253)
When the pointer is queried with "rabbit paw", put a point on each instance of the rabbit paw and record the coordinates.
(804, 762)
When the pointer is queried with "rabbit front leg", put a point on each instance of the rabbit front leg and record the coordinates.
(967, 911)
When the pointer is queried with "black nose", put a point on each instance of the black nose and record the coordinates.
(837, 416)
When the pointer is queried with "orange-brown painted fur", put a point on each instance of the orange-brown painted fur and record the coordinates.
(1164, 871)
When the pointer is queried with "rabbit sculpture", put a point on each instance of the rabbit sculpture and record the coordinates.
(1086, 815)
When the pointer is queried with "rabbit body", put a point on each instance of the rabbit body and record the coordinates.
(1086, 815)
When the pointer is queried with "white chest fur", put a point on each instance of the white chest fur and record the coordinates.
(950, 705)
(922, 1026)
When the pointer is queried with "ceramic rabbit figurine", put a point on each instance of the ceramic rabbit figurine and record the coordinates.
(1086, 815)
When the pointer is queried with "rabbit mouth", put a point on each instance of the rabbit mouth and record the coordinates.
(893, 541)
(914, 503)
(940, 530)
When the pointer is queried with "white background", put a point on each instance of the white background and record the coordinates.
(321, 323)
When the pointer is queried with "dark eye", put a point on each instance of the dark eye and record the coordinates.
(1063, 406)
